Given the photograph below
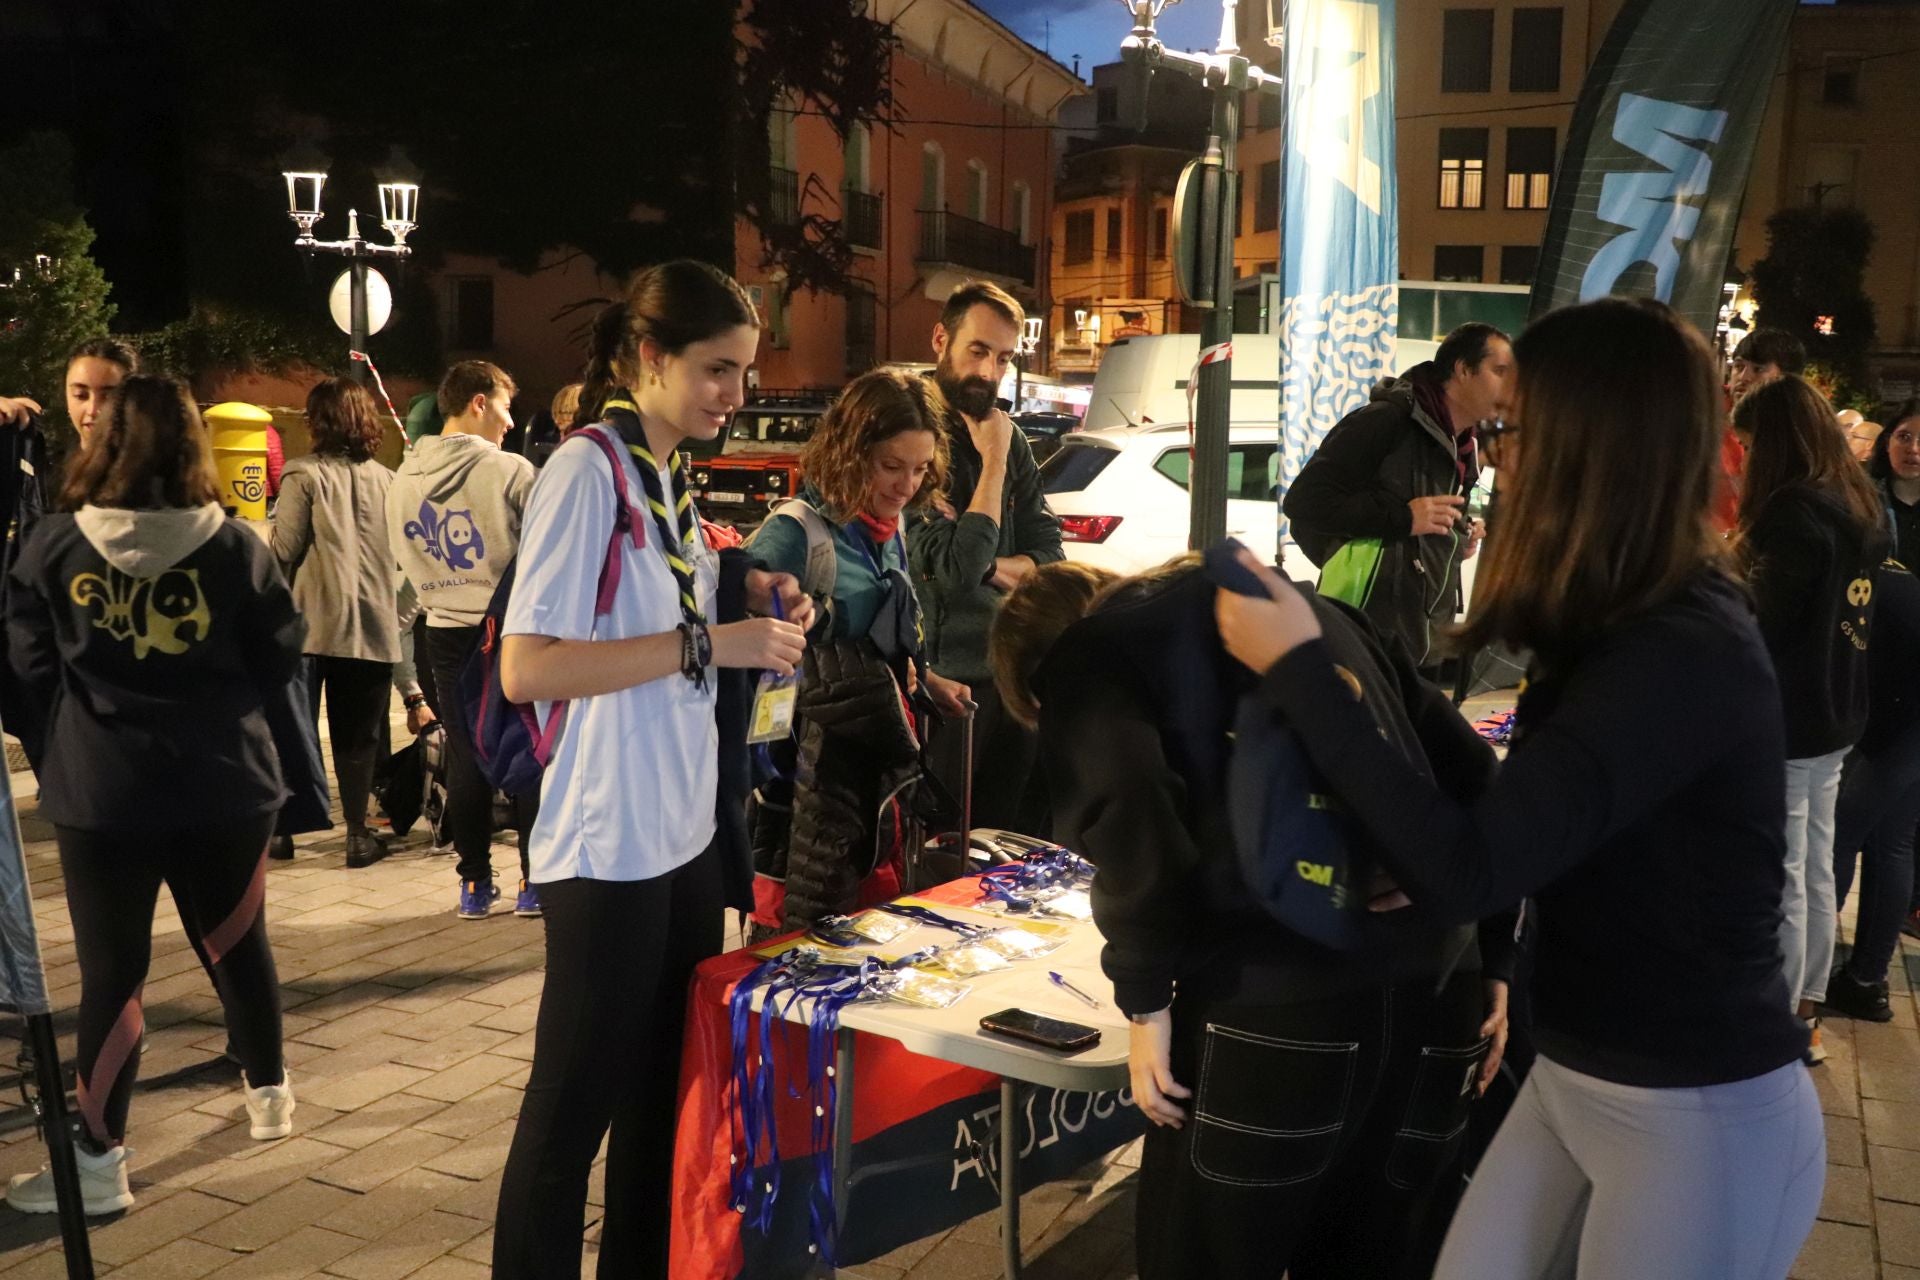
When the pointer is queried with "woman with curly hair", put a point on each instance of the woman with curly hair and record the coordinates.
(878, 453)
(330, 535)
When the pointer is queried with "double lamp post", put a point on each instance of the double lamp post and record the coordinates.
(399, 214)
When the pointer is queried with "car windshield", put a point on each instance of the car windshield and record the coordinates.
(769, 431)
(1074, 467)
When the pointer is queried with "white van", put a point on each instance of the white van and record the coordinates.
(1143, 381)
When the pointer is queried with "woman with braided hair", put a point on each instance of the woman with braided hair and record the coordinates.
(624, 852)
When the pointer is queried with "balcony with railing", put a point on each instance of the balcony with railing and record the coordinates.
(947, 238)
(785, 201)
(863, 218)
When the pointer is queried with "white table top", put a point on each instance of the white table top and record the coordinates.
(953, 1034)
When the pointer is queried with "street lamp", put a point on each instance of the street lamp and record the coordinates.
(1029, 343)
(399, 214)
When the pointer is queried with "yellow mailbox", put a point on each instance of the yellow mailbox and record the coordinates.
(240, 455)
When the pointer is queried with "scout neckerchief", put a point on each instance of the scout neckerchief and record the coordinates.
(624, 414)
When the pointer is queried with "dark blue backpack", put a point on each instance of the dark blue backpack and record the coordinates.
(510, 743)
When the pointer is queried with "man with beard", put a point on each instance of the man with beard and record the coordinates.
(967, 554)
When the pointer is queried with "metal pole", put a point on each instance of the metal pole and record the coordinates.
(62, 1134)
(1010, 1091)
(1213, 408)
(357, 369)
(842, 1138)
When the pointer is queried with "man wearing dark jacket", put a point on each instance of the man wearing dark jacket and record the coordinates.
(1397, 471)
(993, 530)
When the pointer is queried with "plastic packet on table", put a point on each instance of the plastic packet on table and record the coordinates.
(966, 960)
(1073, 904)
(876, 927)
(1019, 944)
(926, 990)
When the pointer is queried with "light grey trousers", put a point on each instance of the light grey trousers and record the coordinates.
(1605, 1181)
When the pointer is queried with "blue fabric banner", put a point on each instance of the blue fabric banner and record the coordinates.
(1340, 254)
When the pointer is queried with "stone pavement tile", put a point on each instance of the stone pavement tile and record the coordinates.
(521, 1047)
(1849, 1197)
(156, 1219)
(959, 1260)
(398, 1200)
(1844, 1142)
(1899, 1231)
(387, 1158)
(466, 1078)
(516, 1018)
(258, 1176)
(298, 1204)
(177, 1260)
(454, 1015)
(1835, 1251)
(1896, 1174)
(1839, 1095)
(363, 1087)
(480, 1201)
(910, 1254)
(369, 1124)
(478, 1249)
(1890, 1272)
(336, 1002)
(1886, 1043)
(513, 990)
(407, 1248)
(448, 1267)
(300, 1253)
(1040, 1208)
(451, 1047)
(478, 1157)
(46, 1264)
(474, 1114)
(438, 990)
(344, 1031)
(1894, 1081)
(1892, 1124)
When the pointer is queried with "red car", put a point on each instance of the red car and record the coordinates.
(755, 465)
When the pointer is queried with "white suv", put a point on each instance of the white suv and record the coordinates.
(1121, 494)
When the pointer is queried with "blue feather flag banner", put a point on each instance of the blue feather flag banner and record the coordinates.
(1341, 239)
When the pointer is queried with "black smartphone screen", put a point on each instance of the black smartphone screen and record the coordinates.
(1038, 1028)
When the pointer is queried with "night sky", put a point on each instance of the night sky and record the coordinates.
(1094, 28)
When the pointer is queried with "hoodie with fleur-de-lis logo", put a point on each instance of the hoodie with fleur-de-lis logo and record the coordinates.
(150, 642)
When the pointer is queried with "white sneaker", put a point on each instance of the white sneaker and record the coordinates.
(270, 1108)
(103, 1185)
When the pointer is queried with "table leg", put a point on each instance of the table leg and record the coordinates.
(1011, 1092)
(842, 1134)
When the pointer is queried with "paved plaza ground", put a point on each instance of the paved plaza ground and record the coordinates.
(409, 1035)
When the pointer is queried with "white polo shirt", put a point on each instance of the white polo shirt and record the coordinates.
(629, 790)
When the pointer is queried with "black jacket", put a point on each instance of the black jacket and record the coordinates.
(858, 760)
(1358, 483)
(1641, 809)
(1136, 705)
(1894, 659)
(1811, 569)
(153, 667)
(24, 477)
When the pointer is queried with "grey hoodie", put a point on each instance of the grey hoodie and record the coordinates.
(141, 544)
(453, 518)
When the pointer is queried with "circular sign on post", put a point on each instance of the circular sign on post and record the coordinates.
(379, 302)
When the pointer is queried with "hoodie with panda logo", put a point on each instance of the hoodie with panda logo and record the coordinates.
(453, 518)
(149, 641)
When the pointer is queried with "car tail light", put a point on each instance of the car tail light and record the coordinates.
(1088, 528)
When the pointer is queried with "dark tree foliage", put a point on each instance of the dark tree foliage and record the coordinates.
(1816, 266)
(830, 57)
(53, 294)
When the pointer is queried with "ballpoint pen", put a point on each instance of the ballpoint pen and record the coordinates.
(1072, 990)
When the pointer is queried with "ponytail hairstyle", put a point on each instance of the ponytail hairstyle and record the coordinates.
(675, 305)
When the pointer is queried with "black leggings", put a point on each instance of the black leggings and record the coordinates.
(357, 701)
(219, 879)
(606, 1053)
(1322, 1138)
(469, 796)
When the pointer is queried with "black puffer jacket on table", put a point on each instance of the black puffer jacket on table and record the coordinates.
(858, 757)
